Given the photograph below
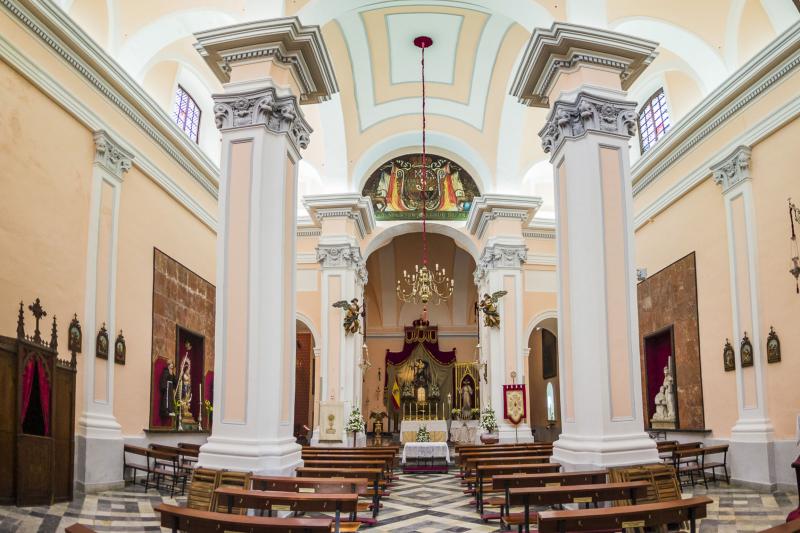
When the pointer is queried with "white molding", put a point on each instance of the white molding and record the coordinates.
(491, 206)
(86, 116)
(541, 259)
(774, 120)
(100, 70)
(306, 258)
(741, 87)
(350, 205)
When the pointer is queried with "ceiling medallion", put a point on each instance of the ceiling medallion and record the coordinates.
(424, 285)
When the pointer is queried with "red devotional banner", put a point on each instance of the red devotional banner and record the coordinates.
(514, 407)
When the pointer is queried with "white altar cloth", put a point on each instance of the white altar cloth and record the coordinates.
(465, 432)
(436, 428)
(426, 450)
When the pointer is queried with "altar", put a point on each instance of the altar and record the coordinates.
(465, 432)
(436, 428)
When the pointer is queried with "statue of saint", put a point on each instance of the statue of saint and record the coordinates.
(664, 417)
(353, 311)
(166, 386)
(466, 400)
(488, 304)
(183, 391)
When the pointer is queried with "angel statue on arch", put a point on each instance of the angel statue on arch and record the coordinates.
(353, 310)
(488, 304)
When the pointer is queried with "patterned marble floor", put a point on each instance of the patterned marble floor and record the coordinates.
(425, 503)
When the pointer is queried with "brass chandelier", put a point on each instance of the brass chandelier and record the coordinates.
(424, 285)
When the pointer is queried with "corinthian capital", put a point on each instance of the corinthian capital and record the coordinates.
(262, 107)
(588, 113)
(733, 169)
(111, 156)
(506, 256)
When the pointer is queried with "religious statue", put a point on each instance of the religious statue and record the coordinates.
(166, 386)
(664, 417)
(746, 350)
(183, 390)
(466, 400)
(488, 304)
(422, 378)
(353, 309)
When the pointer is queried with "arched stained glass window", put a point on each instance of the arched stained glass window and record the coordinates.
(551, 402)
(654, 120)
(187, 113)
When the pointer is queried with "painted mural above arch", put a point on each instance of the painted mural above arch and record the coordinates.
(395, 189)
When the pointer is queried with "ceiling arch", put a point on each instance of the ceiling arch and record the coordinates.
(454, 231)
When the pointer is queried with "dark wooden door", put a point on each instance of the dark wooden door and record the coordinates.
(34, 470)
(63, 433)
(8, 419)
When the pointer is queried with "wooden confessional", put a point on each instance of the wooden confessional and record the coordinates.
(37, 417)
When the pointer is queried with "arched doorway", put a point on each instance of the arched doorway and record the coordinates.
(543, 380)
(304, 388)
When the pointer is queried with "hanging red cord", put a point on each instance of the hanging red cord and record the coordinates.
(423, 42)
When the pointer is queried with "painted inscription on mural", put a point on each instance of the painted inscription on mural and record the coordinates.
(396, 189)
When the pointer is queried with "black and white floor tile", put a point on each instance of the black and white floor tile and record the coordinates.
(425, 503)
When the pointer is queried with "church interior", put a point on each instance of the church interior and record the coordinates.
(398, 266)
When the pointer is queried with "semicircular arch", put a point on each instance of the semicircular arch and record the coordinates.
(461, 239)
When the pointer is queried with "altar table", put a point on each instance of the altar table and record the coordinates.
(436, 428)
(425, 457)
(462, 432)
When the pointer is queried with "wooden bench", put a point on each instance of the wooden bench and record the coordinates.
(714, 465)
(134, 458)
(79, 528)
(295, 502)
(183, 519)
(505, 482)
(592, 493)
(167, 466)
(628, 516)
(372, 475)
(470, 467)
(327, 485)
(488, 471)
(188, 456)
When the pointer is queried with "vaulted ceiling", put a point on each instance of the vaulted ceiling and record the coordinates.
(477, 45)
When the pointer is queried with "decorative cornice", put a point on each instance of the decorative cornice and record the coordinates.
(349, 205)
(505, 256)
(343, 256)
(262, 107)
(564, 46)
(493, 206)
(733, 169)
(100, 70)
(309, 232)
(110, 156)
(768, 67)
(588, 113)
(539, 234)
(284, 40)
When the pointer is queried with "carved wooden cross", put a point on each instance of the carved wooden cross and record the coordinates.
(38, 312)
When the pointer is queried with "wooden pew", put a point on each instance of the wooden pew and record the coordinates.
(315, 485)
(166, 465)
(373, 475)
(486, 472)
(713, 465)
(463, 460)
(592, 493)
(627, 516)
(505, 482)
(386, 462)
(188, 456)
(134, 458)
(183, 519)
(293, 501)
(470, 467)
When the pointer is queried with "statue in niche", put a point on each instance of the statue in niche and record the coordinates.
(664, 417)
(166, 386)
(491, 316)
(422, 379)
(183, 390)
(353, 309)
(466, 400)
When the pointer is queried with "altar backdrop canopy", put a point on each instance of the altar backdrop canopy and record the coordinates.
(421, 341)
(396, 185)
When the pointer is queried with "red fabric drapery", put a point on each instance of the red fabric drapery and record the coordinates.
(44, 390)
(27, 386)
(44, 396)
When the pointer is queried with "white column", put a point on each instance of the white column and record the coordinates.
(578, 72)
(752, 455)
(99, 439)
(255, 328)
(500, 269)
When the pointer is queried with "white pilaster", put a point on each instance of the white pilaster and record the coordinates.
(752, 456)
(99, 439)
(578, 72)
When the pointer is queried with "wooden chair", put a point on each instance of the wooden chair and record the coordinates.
(714, 465)
(271, 501)
(134, 459)
(629, 516)
(580, 494)
(664, 485)
(182, 519)
(231, 479)
(201, 488)
(166, 466)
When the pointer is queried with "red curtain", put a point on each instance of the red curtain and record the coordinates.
(27, 386)
(44, 396)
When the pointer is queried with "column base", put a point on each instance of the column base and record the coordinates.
(279, 457)
(99, 450)
(361, 441)
(510, 434)
(579, 452)
(752, 453)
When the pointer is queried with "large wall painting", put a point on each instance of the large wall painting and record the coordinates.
(395, 189)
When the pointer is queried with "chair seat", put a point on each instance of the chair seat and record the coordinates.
(714, 465)
(494, 501)
(348, 527)
(515, 519)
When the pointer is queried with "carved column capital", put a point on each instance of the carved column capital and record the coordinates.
(262, 107)
(588, 113)
(505, 256)
(110, 156)
(733, 169)
(343, 256)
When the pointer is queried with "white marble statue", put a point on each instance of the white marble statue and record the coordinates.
(664, 417)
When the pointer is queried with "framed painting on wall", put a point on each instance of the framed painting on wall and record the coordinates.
(549, 355)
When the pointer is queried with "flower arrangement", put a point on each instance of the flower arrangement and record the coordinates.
(456, 412)
(475, 411)
(423, 435)
(488, 420)
(355, 424)
(208, 406)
